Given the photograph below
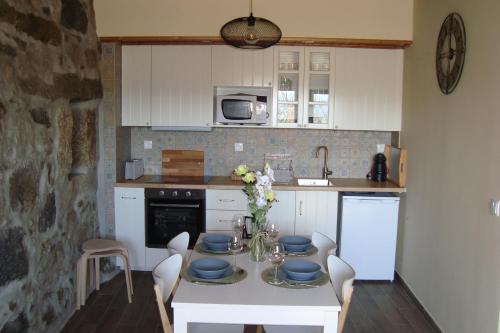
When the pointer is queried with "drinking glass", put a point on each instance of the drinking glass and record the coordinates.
(235, 246)
(238, 224)
(273, 230)
(276, 256)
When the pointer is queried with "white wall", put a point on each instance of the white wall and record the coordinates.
(449, 244)
(377, 19)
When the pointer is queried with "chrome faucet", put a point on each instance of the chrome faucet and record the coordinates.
(326, 172)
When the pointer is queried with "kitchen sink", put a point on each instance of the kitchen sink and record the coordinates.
(314, 182)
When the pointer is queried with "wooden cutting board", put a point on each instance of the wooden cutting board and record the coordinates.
(396, 164)
(185, 163)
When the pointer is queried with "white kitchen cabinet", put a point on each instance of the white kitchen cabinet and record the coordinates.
(283, 212)
(368, 89)
(130, 222)
(316, 211)
(136, 85)
(182, 93)
(222, 206)
(233, 67)
(304, 86)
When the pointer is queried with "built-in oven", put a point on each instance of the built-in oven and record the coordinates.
(172, 211)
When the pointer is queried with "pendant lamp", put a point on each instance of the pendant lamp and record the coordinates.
(250, 32)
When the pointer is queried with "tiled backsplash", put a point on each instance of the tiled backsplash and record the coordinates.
(350, 152)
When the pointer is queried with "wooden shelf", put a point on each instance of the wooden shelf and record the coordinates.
(293, 41)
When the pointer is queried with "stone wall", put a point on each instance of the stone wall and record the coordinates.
(49, 94)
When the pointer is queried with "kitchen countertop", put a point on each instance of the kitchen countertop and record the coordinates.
(225, 183)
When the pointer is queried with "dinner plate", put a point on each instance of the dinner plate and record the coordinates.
(314, 278)
(301, 270)
(225, 274)
(216, 242)
(295, 243)
(210, 268)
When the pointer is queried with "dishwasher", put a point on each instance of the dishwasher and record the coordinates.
(367, 233)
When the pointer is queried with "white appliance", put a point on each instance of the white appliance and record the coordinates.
(367, 233)
(134, 169)
(242, 106)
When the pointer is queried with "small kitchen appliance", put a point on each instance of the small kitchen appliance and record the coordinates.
(134, 169)
(242, 106)
(378, 172)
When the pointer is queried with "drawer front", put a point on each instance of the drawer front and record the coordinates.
(222, 219)
(226, 200)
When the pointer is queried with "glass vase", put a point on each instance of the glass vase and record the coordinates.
(258, 242)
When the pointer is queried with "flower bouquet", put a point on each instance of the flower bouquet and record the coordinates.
(258, 188)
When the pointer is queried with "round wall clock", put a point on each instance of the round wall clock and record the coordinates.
(450, 53)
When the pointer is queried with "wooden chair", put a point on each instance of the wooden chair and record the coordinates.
(94, 250)
(325, 246)
(342, 276)
(165, 277)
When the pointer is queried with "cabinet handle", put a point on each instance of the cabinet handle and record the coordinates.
(269, 83)
(226, 200)
(129, 198)
(300, 208)
(225, 221)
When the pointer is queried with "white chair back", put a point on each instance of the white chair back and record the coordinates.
(179, 244)
(325, 246)
(166, 273)
(342, 276)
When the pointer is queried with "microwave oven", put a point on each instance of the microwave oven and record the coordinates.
(244, 109)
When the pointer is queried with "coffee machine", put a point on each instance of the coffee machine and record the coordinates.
(378, 172)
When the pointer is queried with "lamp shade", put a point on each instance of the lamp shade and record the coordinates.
(250, 32)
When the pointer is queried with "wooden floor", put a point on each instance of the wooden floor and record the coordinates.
(375, 308)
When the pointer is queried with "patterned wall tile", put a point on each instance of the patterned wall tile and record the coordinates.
(350, 152)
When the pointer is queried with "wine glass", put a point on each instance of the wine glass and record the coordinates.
(238, 224)
(234, 246)
(273, 230)
(276, 256)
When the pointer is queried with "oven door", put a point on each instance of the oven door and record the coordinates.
(166, 218)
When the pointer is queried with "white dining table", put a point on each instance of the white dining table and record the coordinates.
(253, 301)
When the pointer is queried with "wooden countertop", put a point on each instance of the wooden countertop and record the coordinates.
(225, 183)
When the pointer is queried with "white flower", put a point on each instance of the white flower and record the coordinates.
(261, 201)
(269, 172)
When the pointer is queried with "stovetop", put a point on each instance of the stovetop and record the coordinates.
(202, 180)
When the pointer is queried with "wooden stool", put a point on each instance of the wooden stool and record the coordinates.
(94, 249)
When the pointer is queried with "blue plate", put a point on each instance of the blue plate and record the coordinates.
(301, 270)
(295, 243)
(209, 268)
(228, 272)
(216, 242)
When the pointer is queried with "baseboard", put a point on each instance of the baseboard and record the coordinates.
(420, 306)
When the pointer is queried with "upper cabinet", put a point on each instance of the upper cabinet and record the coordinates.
(313, 87)
(181, 86)
(368, 89)
(303, 90)
(233, 67)
(136, 85)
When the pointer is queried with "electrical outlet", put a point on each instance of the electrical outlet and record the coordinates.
(380, 147)
(238, 146)
(148, 144)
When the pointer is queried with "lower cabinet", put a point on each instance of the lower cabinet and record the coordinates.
(316, 211)
(283, 212)
(296, 213)
(130, 224)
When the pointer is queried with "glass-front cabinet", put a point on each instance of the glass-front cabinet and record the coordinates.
(303, 87)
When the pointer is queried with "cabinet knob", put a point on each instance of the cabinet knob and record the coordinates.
(188, 194)
(270, 84)
(174, 193)
(161, 193)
